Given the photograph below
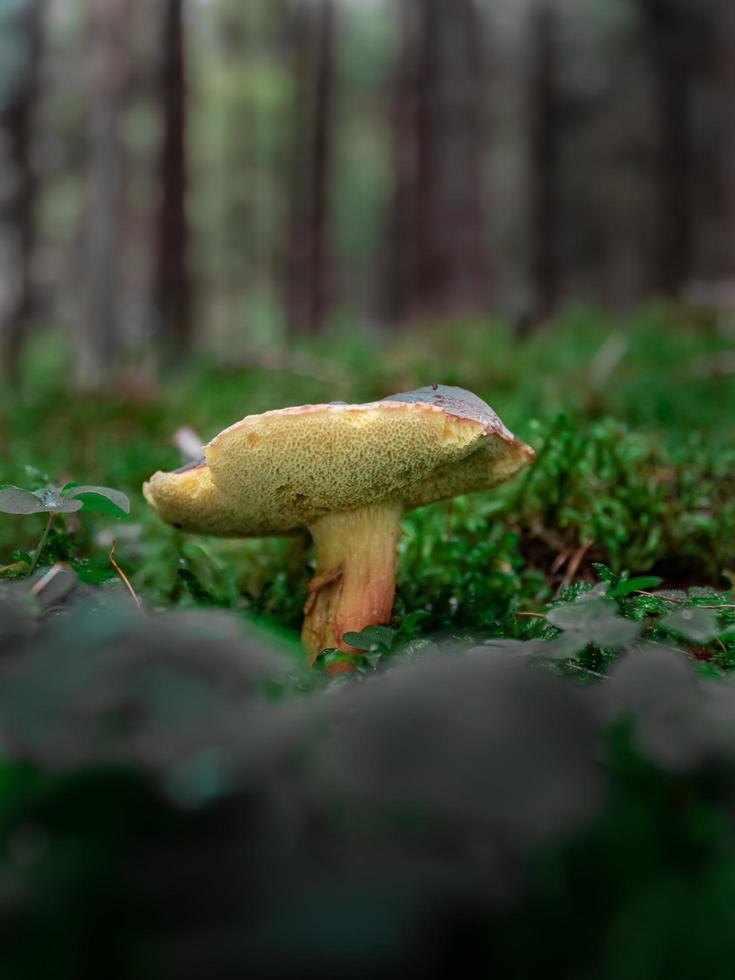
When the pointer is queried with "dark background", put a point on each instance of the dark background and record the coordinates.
(188, 173)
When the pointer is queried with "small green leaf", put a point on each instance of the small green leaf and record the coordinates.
(603, 571)
(592, 621)
(696, 624)
(15, 500)
(598, 591)
(580, 615)
(101, 505)
(101, 499)
(635, 585)
(54, 503)
(371, 638)
(614, 632)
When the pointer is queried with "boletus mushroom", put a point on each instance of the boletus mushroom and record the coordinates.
(347, 473)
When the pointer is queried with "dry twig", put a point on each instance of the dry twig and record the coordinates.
(122, 574)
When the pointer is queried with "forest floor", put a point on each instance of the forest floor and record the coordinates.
(176, 786)
(634, 476)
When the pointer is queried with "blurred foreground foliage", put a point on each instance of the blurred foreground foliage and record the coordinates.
(180, 798)
(542, 743)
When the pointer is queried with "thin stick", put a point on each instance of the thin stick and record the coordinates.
(721, 605)
(122, 574)
(586, 670)
(41, 543)
(665, 598)
(575, 561)
(50, 575)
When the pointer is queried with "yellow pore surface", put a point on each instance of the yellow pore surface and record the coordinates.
(275, 472)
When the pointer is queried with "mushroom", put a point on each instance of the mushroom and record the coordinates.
(347, 473)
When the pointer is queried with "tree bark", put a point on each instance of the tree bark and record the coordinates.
(172, 291)
(308, 259)
(99, 336)
(666, 39)
(399, 267)
(18, 193)
(725, 57)
(545, 125)
(439, 222)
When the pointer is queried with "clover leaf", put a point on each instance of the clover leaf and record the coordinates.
(15, 500)
(696, 624)
(101, 499)
(73, 497)
(589, 620)
(52, 501)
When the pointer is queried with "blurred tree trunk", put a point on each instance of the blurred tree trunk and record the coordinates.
(545, 127)
(172, 293)
(18, 96)
(400, 253)
(439, 222)
(725, 56)
(667, 40)
(108, 45)
(312, 29)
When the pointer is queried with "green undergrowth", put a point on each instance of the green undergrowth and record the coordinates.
(582, 632)
(635, 469)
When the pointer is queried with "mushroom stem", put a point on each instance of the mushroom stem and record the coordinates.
(355, 574)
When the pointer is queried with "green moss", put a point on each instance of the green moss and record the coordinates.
(635, 468)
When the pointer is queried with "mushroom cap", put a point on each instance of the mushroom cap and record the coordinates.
(282, 470)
